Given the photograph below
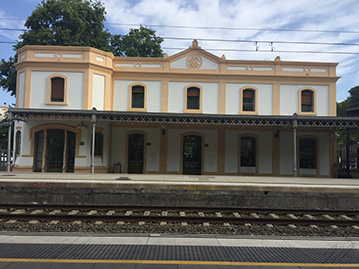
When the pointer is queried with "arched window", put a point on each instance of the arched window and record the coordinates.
(138, 96)
(193, 98)
(249, 100)
(307, 101)
(18, 143)
(56, 92)
(248, 151)
(308, 153)
(57, 89)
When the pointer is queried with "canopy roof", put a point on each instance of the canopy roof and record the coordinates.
(180, 118)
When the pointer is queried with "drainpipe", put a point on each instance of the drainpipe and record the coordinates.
(9, 120)
(93, 121)
(295, 124)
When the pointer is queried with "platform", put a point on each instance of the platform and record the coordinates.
(180, 190)
(172, 251)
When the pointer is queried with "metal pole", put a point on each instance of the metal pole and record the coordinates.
(93, 121)
(347, 153)
(295, 124)
(9, 149)
(93, 149)
(9, 119)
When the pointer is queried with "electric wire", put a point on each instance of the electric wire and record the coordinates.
(216, 27)
(238, 40)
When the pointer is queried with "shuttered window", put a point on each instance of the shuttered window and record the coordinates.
(57, 89)
(248, 151)
(307, 153)
(138, 96)
(307, 101)
(248, 100)
(193, 98)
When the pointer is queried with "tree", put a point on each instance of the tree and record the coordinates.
(141, 42)
(8, 75)
(351, 102)
(67, 23)
(354, 97)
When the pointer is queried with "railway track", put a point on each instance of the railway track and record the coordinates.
(183, 215)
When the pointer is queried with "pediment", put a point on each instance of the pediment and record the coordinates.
(194, 58)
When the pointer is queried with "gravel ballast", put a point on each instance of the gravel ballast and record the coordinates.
(175, 228)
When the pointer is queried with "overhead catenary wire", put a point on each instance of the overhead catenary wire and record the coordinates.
(216, 27)
(237, 40)
(243, 50)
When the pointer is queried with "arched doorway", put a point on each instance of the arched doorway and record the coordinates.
(54, 150)
(135, 153)
(192, 155)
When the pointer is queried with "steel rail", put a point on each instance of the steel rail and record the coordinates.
(179, 219)
(181, 208)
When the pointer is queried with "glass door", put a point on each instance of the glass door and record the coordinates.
(192, 154)
(55, 150)
(135, 153)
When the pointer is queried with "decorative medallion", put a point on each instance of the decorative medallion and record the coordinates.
(194, 61)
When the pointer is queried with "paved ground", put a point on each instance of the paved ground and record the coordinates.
(165, 178)
(273, 244)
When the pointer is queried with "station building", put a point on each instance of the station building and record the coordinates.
(190, 113)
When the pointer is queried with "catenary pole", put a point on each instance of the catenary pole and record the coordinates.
(295, 124)
(93, 121)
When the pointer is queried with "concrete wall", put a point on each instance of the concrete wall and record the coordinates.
(98, 92)
(174, 150)
(121, 95)
(220, 195)
(265, 97)
(75, 90)
(289, 99)
(152, 151)
(232, 150)
(176, 95)
(20, 96)
(287, 149)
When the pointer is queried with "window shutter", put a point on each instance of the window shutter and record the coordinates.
(57, 89)
(193, 92)
(138, 89)
(248, 94)
(307, 97)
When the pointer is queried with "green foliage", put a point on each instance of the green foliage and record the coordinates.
(67, 23)
(3, 135)
(354, 97)
(141, 42)
(342, 107)
(8, 75)
(351, 102)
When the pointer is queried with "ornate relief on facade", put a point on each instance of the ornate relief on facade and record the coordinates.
(194, 61)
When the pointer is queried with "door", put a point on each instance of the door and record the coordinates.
(38, 151)
(70, 151)
(55, 150)
(135, 153)
(192, 155)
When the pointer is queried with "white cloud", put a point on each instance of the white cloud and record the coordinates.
(10, 24)
(259, 14)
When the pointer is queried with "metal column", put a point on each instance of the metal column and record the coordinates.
(9, 119)
(347, 154)
(295, 124)
(93, 121)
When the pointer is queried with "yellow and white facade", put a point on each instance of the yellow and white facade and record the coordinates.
(186, 103)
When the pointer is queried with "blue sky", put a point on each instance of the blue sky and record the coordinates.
(332, 21)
